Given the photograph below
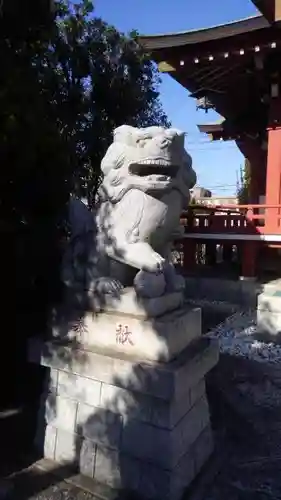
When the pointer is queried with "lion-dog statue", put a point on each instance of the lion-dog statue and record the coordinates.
(126, 240)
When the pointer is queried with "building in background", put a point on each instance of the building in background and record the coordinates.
(219, 200)
(200, 195)
(200, 192)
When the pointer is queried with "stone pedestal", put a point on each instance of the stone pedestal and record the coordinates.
(269, 311)
(127, 419)
(154, 329)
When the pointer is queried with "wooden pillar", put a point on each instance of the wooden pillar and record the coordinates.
(189, 255)
(249, 259)
(211, 253)
(273, 172)
(227, 253)
(253, 152)
(257, 177)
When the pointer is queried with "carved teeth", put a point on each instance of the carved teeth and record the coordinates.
(157, 161)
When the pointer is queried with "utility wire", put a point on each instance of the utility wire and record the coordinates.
(220, 186)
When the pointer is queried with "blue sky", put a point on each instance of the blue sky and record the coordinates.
(216, 164)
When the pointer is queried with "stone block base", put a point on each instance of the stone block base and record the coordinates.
(269, 311)
(138, 426)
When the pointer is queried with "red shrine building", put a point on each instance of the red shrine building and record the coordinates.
(235, 69)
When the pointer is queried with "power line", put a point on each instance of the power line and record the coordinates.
(209, 143)
(220, 186)
(212, 149)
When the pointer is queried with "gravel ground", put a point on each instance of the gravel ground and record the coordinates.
(245, 398)
(62, 491)
(238, 334)
(59, 491)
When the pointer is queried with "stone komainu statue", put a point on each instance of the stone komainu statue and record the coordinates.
(127, 240)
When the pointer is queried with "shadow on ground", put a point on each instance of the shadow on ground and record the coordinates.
(245, 398)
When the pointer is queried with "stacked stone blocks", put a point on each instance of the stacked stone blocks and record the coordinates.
(139, 426)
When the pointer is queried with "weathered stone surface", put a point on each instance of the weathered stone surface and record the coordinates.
(162, 484)
(122, 472)
(203, 448)
(270, 301)
(269, 312)
(129, 303)
(80, 388)
(50, 440)
(166, 414)
(87, 458)
(157, 483)
(202, 357)
(163, 380)
(68, 447)
(100, 425)
(117, 470)
(161, 413)
(164, 447)
(190, 427)
(53, 379)
(197, 392)
(107, 467)
(136, 219)
(61, 412)
(147, 425)
(269, 322)
(126, 403)
(145, 338)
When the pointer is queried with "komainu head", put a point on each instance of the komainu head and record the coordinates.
(151, 159)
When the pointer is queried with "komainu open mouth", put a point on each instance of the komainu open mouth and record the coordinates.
(144, 168)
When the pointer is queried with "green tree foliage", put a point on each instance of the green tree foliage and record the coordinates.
(243, 189)
(67, 79)
(118, 82)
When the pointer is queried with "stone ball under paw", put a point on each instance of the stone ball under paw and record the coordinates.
(150, 285)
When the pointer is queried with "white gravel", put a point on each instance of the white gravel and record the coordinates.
(238, 336)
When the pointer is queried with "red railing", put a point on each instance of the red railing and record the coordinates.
(227, 227)
(232, 219)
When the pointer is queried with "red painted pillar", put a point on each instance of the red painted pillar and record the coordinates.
(189, 255)
(273, 173)
(253, 152)
(257, 177)
(249, 259)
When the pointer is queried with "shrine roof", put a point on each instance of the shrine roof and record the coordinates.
(271, 9)
(226, 67)
(179, 39)
(220, 130)
(209, 128)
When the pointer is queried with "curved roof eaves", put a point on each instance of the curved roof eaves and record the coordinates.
(156, 42)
